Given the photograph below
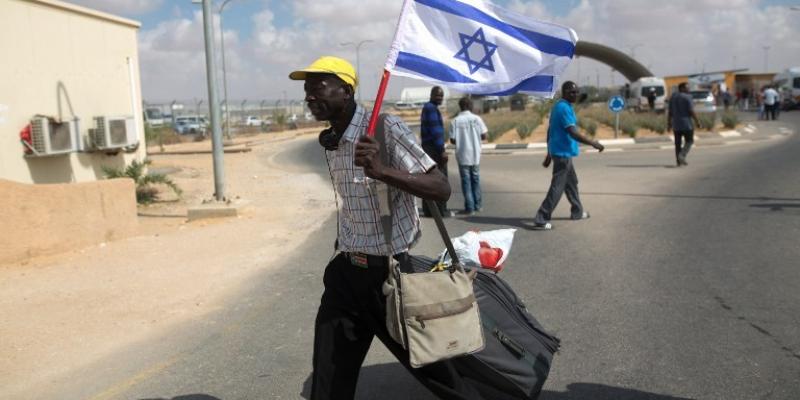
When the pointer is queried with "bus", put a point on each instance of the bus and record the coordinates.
(153, 117)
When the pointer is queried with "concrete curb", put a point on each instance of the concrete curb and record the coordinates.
(741, 135)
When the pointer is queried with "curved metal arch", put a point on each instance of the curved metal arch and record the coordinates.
(614, 58)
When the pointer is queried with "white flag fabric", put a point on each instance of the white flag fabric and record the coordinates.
(476, 47)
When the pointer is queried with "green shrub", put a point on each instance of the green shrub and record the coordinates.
(588, 125)
(145, 192)
(524, 130)
(628, 127)
(730, 120)
(706, 120)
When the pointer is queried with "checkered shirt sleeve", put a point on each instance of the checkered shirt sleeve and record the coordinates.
(359, 214)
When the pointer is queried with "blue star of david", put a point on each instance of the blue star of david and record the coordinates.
(488, 51)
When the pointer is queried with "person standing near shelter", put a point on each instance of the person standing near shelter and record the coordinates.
(353, 308)
(562, 146)
(651, 99)
(770, 103)
(431, 130)
(467, 130)
(679, 120)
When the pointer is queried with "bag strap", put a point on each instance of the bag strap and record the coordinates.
(386, 212)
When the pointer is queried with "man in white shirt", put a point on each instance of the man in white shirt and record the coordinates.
(770, 103)
(466, 132)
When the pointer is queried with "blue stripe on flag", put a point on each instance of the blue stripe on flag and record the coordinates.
(542, 42)
(430, 68)
(441, 72)
(538, 83)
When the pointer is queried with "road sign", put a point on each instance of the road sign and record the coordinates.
(616, 104)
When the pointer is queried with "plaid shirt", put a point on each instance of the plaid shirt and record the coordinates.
(359, 214)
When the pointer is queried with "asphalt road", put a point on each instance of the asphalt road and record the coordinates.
(684, 284)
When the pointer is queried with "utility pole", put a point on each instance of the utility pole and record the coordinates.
(224, 74)
(358, 61)
(211, 77)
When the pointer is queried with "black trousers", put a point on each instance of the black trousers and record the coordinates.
(436, 156)
(353, 311)
(564, 180)
(681, 149)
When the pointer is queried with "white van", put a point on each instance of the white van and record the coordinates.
(640, 88)
(788, 85)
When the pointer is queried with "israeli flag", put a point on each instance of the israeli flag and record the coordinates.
(476, 47)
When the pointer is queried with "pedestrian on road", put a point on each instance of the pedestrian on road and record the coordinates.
(651, 99)
(353, 308)
(770, 103)
(562, 147)
(467, 130)
(431, 130)
(679, 120)
(746, 99)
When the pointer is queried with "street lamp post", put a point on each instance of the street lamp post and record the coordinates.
(358, 60)
(211, 76)
(224, 75)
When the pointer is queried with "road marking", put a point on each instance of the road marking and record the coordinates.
(727, 134)
(607, 142)
(733, 142)
(666, 147)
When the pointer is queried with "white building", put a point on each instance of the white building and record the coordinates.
(73, 65)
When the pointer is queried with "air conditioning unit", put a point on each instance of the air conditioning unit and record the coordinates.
(113, 132)
(49, 137)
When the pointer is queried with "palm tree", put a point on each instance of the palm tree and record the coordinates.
(145, 192)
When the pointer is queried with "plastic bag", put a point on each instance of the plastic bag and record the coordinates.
(482, 249)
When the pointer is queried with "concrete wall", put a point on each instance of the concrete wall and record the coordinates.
(65, 61)
(47, 219)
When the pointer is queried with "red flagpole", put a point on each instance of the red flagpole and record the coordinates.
(376, 110)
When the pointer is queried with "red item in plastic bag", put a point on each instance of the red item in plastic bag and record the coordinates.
(489, 256)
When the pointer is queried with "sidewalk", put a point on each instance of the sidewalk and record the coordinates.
(63, 312)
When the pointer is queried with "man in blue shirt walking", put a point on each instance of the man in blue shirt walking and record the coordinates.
(562, 146)
(432, 137)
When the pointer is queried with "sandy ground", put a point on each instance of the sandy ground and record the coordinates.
(65, 311)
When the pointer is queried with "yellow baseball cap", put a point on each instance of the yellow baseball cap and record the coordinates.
(329, 65)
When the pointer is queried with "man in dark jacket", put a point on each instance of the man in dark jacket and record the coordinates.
(431, 130)
(679, 120)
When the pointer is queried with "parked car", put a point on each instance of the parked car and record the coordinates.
(703, 101)
(190, 124)
(252, 120)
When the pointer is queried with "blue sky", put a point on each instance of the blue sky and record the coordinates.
(266, 39)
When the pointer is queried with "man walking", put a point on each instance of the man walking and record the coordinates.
(562, 146)
(679, 120)
(353, 308)
(432, 134)
(466, 132)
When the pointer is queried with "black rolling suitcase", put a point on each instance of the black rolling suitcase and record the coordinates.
(516, 360)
